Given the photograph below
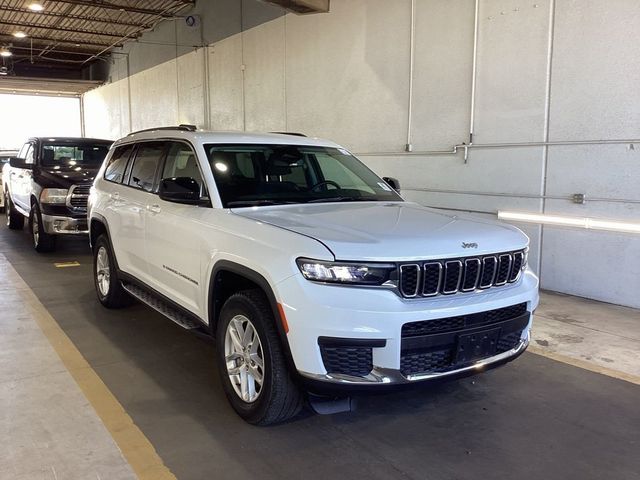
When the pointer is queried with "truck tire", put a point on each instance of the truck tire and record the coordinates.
(105, 276)
(42, 241)
(251, 362)
(15, 221)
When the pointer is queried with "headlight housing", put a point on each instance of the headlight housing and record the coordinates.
(55, 196)
(346, 272)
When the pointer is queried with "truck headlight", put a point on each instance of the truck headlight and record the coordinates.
(345, 272)
(54, 195)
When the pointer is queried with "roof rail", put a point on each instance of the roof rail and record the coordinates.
(296, 134)
(182, 127)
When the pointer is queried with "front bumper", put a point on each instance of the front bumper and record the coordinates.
(59, 225)
(315, 311)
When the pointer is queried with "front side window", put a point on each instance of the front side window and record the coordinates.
(144, 167)
(28, 156)
(181, 162)
(118, 164)
(73, 155)
(250, 175)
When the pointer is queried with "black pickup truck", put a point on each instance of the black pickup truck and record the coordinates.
(48, 183)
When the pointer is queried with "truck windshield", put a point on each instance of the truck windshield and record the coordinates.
(74, 155)
(253, 175)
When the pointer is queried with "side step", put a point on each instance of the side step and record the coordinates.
(161, 306)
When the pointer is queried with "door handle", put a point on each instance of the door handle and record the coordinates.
(114, 195)
(154, 208)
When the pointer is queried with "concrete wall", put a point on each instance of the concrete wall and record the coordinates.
(563, 70)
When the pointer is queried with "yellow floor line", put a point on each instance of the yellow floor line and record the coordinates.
(593, 367)
(133, 444)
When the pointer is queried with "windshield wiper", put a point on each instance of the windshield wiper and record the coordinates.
(343, 199)
(258, 203)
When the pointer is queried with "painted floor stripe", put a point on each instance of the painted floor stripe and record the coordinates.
(133, 444)
(576, 362)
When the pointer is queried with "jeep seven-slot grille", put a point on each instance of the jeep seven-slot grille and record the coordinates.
(435, 277)
(78, 196)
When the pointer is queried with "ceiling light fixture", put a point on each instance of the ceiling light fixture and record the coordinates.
(580, 222)
(35, 7)
(5, 52)
(19, 34)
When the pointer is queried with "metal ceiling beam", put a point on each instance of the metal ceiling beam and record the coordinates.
(48, 40)
(125, 8)
(45, 14)
(52, 51)
(62, 29)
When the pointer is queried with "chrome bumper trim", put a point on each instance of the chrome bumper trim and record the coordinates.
(391, 376)
(57, 225)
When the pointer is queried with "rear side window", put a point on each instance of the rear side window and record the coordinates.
(145, 164)
(118, 164)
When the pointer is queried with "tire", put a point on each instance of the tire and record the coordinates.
(42, 241)
(105, 276)
(277, 398)
(15, 221)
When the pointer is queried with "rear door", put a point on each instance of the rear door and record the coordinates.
(129, 205)
(174, 234)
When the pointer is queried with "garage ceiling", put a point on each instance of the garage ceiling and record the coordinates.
(67, 36)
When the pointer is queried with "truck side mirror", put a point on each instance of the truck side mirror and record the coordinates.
(393, 183)
(17, 162)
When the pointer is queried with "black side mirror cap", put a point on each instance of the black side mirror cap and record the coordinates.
(393, 183)
(17, 162)
(181, 190)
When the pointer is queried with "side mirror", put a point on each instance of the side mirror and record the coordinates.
(393, 183)
(17, 162)
(180, 190)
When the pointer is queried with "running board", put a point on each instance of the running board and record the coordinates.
(161, 306)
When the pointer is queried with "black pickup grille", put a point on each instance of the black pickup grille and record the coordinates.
(78, 196)
(449, 276)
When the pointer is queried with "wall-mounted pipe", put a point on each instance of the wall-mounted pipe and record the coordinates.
(474, 69)
(465, 148)
(412, 39)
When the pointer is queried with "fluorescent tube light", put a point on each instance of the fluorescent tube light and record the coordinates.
(580, 222)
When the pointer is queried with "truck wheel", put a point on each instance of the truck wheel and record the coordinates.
(15, 221)
(105, 275)
(42, 241)
(251, 362)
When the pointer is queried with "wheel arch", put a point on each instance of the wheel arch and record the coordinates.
(240, 277)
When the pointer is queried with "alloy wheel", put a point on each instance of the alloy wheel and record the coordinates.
(244, 358)
(103, 271)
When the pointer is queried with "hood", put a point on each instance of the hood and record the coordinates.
(399, 231)
(65, 176)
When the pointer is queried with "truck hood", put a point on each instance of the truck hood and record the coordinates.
(398, 231)
(65, 176)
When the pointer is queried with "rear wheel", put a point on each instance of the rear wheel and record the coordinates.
(251, 361)
(42, 241)
(15, 221)
(105, 275)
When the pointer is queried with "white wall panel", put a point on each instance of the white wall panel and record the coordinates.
(264, 61)
(191, 88)
(154, 97)
(226, 84)
(347, 73)
(106, 111)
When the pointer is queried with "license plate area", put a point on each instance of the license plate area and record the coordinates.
(473, 346)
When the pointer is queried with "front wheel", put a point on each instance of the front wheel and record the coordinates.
(15, 221)
(42, 241)
(105, 275)
(251, 361)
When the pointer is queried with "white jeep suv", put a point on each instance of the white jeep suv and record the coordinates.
(310, 271)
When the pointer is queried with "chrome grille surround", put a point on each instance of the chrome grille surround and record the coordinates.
(459, 275)
(78, 196)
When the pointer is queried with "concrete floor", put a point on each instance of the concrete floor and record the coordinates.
(535, 418)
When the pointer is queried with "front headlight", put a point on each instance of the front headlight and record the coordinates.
(54, 195)
(343, 272)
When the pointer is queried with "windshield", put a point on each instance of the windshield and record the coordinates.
(250, 175)
(74, 155)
